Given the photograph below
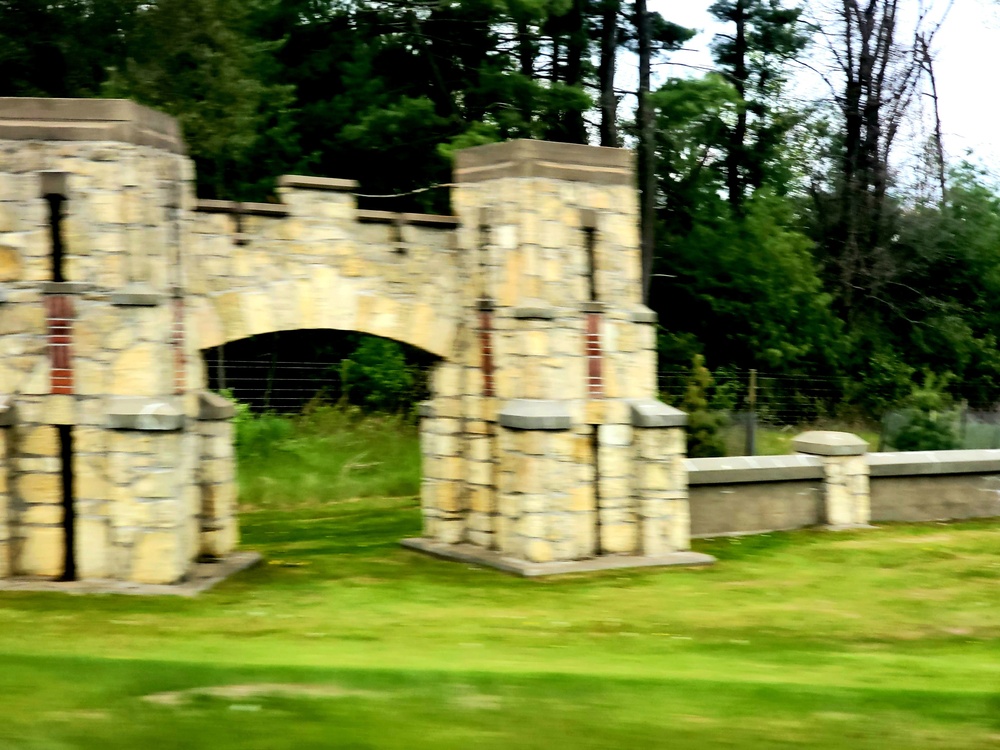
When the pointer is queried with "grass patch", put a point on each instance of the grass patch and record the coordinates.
(327, 453)
(869, 639)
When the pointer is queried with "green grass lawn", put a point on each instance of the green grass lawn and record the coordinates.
(877, 639)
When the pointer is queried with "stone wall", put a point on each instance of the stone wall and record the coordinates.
(770, 493)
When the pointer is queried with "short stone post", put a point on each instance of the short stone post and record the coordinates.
(846, 494)
(6, 420)
(216, 476)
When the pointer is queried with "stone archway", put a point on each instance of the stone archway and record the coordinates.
(543, 442)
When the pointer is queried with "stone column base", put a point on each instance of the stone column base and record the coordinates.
(468, 553)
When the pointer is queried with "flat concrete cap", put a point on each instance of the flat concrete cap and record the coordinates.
(535, 414)
(648, 412)
(643, 315)
(208, 206)
(439, 221)
(213, 407)
(828, 443)
(934, 463)
(138, 413)
(66, 287)
(534, 313)
(97, 120)
(560, 161)
(7, 411)
(331, 184)
(743, 469)
(137, 295)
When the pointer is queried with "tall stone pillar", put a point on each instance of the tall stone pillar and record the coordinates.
(562, 454)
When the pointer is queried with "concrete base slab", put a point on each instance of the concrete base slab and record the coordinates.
(469, 553)
(203, 577)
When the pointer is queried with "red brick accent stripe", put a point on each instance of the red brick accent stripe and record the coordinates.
(592, 344)
(59, 316)
(177, 343)
(486, 347)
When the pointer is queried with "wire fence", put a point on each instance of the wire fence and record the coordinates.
(773, 399)
(759, 412)
(287, 387)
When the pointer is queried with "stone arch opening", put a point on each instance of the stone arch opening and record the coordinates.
(283, 371)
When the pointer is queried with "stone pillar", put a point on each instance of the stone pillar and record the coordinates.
(443, 447)
(6, 511)
(545, 493)
(558, 452)
(847, 498)
(661, 477)
(216, 478)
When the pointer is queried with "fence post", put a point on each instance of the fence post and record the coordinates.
(750, 447)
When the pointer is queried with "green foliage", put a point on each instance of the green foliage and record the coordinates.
(703, 428)
(326, 453)
(929, 421)
(378, 377)
(748, 289)
(196, 60)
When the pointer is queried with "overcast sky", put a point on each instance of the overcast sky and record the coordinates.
(967, 67)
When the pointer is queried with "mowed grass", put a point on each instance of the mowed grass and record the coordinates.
(870, 639)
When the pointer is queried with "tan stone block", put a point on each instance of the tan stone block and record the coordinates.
(137, 371)
(89, 377)
(257, 313)
(39, 441)
(156, 557)
(230, 312)
(619, 538)
(447, 497)
(41, 515)
(38, 381)
(654, 475)
(40, 488)
(481, 499)
(535, 343)
(156, 484)
(538, 550)
(582, 498)
(92, 544)
(41, 552)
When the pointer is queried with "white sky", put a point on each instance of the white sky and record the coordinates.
(967, 68)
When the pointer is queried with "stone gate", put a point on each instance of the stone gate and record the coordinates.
(543, 443)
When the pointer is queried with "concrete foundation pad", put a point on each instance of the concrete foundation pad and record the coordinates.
(203, 577)
(469, 553)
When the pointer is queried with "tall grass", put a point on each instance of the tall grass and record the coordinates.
(327, 453)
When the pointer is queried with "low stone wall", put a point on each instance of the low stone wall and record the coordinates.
(756, 494)
(752, 494)
(935, 485)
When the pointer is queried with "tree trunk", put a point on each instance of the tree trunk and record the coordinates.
(647, 148)
(606, 73)
(735, 159)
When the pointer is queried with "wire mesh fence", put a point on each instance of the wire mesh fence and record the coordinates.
(287, 387)
(759, 412)
(773, 399)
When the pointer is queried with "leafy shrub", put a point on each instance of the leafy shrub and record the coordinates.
(704, 436)
(930, 423)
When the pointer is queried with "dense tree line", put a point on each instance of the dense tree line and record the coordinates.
(778, 234)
